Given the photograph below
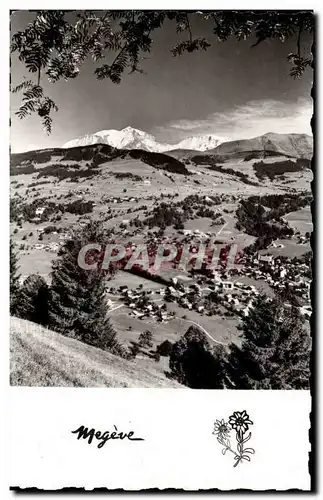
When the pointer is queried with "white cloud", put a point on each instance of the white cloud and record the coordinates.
(250, 120)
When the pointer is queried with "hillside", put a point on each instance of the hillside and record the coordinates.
(40, 357)
(54, 189)
(95, 155)
(295, 145)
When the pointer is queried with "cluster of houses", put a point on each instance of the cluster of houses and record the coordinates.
(48, 247)
(277, 272)
(302, 239)
(236, 297)
(141, 304)
(117, 199)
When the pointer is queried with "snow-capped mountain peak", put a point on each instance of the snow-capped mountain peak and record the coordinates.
(132, 138)
(201, 142)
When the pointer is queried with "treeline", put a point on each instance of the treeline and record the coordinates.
(97, 154)
(160, 161)
(208, 159)
(272, 170)
(64, 171)
(176, 214)
(126, 175)
(281, 204)
(267, 225)
(211, 162)
(254, 155)
(27, 211)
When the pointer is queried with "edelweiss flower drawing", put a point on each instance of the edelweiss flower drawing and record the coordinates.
(221, 428)
(239, 422)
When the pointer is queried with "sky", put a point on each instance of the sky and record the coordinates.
(231, 90)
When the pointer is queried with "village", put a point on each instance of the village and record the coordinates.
(227, 292)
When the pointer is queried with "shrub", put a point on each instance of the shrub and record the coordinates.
(146, 339)
(79, 207)
(165, 348)
(134, 350)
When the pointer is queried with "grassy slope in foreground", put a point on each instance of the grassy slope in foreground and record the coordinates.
(41, 357)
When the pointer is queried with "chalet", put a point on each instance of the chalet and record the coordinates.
(227, 285)
(40, 210)
(268, 259)
(283, 273)
(53, 247)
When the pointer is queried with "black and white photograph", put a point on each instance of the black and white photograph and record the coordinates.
(161, 227)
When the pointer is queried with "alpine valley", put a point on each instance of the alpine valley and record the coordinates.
(251, 194)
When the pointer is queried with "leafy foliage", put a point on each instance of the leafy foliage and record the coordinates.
(33, 100)
(57, 42)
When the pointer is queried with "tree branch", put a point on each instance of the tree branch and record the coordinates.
(299, 38)
(188, 24)
(215, 19)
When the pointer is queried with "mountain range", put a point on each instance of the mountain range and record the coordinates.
(131, 138)
(294, 145)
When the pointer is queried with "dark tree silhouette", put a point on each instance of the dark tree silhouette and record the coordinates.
(275, 349)
(78, 305)
(14, 279)
(165, 348)
(57, 42)
(33, 300)
(194, 363)
(145, 339)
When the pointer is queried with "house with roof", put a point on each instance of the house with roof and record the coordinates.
(268, 259)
